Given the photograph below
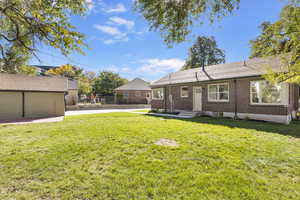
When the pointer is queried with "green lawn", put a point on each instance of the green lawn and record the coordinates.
(113, 156)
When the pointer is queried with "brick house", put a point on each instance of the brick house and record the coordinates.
(235, 90)
(136, 91)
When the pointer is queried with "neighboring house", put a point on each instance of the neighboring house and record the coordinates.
(72, 96)
(136, 91)
(234, 90)
(23, 96)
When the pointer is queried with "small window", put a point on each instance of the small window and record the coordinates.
(158, 94)
(125, 95)
(262, 92)
(184, 91)
(218, 92)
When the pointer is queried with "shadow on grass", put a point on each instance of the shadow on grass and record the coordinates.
(292, 129)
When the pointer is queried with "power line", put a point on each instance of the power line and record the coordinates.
(65, 59)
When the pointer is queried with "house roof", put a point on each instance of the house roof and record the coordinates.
(44, 67)
(135, 84)
(252, 67)
(17, 82)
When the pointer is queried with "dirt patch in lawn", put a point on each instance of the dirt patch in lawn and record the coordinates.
(166, 142)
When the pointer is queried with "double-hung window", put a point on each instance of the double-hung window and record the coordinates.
(218, 92)
(158, 94)
(184, 92)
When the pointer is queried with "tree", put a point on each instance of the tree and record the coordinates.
(67, 70)
(13, 60)
(27, 70)
(174, 18)
(281, 38)
(86, 82)
(27, 23)
(106, 82)
(204, 52)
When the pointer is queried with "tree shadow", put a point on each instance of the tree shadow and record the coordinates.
(292, 129)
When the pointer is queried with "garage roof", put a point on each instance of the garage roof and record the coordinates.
(16, 82)
(135, 84)
(252, 67)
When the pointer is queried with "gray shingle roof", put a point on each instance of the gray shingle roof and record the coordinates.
(252, 67)
(135, 84)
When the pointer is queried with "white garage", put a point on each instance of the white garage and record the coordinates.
(31, 96)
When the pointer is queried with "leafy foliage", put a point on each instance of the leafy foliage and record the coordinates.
(86, 82)
(27, 23)
(66, 70)
(13, 60)
(281, 38)
(28, 70)
(174, 18)
(204, 52)
(106, 82)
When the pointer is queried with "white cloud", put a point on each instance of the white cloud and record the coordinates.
(122, 21)
(89, 4)
(108, 29)
(118, 9)
(156, 65)
(117, 35)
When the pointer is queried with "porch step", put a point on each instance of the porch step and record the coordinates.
(188, 114)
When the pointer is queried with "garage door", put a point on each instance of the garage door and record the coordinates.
(44, 104)
(10, 105)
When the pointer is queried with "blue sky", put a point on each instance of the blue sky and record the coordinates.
(119, 39)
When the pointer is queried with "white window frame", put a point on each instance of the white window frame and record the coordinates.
(181, 92)
(162, 92)
(266, 104)
(218, 94)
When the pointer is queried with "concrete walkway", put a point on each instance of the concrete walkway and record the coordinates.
(87, 112)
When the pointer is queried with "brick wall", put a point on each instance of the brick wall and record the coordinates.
(243, 99)
(134, 96)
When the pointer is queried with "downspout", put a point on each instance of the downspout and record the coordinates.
(165, 99)
(23, 104)
(235, 100)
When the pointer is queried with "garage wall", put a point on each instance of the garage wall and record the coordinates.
(44, 104)
(10, 105)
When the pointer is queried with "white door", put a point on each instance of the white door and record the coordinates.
(197, 93)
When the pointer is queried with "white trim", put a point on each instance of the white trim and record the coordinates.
(282, 119)
(218, 100)
(162, 92)
(181, 91)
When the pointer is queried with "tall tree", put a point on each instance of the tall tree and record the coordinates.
(281, 38)
(175, 18)
(204, 52)
(67, 70)
(86, 82)
(27, 23)
(106, 82)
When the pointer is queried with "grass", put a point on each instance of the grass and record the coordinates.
(113, 156)
(142, 111)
